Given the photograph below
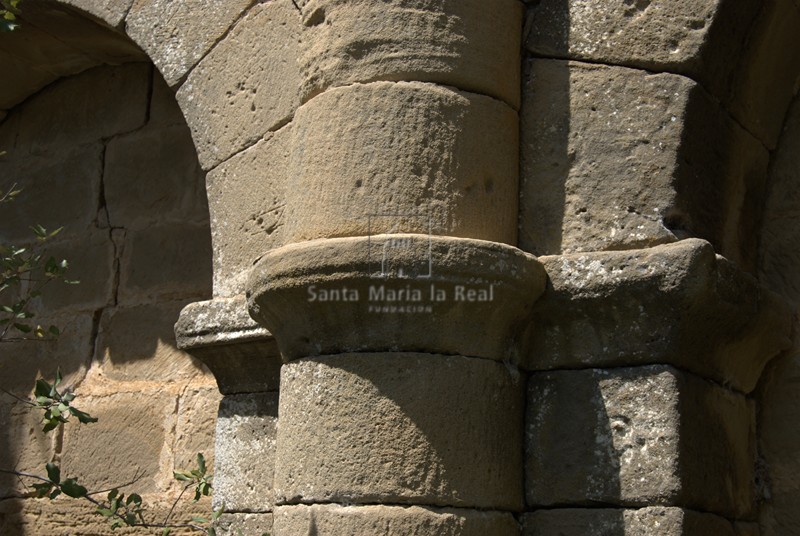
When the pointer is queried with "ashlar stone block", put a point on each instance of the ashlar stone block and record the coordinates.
(247, 85)
(710, 318)
(247, 428)
(380, 428)
(247, 202)
(176, 35)
(131, 439)
(338, 520)
(655, 521)
(137, 344)
(639, 437)
(152, 176)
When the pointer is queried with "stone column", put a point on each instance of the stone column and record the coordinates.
(397, 301)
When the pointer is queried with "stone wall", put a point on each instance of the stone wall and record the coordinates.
(107, 155)
(618, 386)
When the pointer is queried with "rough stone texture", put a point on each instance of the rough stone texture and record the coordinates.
(469, 44)
(66, 192)
(181, 252)
(91, 261)
(137, 343)
(255, 524)
(247, 198)
(638, 437)
(130, 440)
(572, 199)
(242, 355)
(63, 516)
(710, 318)
(654, 521)
(152, 175)
(112, 12)
(25, 448)
(194, 427)
(176, 35)
(46, 125)
(336, 520)
(703, 39)
(772, 54)
(247, 85)
(54, 41)
(157, 408)
(448, 160)
(379, 428)
(247, 427)
(23, 363)
(404, 292)
(778, 396)
(779, 255)
(616, 158)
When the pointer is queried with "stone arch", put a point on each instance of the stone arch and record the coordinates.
(121, 343)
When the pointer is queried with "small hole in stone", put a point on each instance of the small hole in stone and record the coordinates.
(359, 183)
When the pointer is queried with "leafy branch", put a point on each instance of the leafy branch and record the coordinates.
(8, 15)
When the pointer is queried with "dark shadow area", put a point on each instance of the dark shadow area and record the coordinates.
(544, 138)
(103, 150)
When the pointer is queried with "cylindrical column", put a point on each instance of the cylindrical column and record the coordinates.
(397, 302)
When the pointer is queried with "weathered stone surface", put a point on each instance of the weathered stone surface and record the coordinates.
(91, 261)
(616, 158)
(22, 363)
(247, 201)
(137, 343)
(130, 440)
(52, 42)
(445, 162)
(247, 427)
(599, 152)
(194, 427)
(164, 109)
(336, 520)
(242, 355)
(769, 71)
(379, 428)
(247, 85)
(469, 44)
(405, 292)
(23, 445)
(779, 254)
(112, 12)
(152, 176)
(61, 191)
(96, 104)
(65, 516)
(638, 437)
(176, 35)
(746, 529)
(654, 521)
(779, 441)
(699, 38)
(246, 523)
(166, 262)
(710, 318)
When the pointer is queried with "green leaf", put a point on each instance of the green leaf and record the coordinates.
(53, 473)
(113, 493)
(201, 463)
(183, 476)
(42, 489)
(71, 488)
(58, 377)
(198, 519)
(54, 331)
(105, 512)
(166, 532)
(23, 328)
(51, 425)
(134, 498)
